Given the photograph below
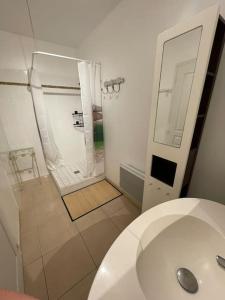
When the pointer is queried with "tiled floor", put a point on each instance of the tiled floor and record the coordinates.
(61, 257)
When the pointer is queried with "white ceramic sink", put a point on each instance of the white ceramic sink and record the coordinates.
(143, 261)
(190, 243)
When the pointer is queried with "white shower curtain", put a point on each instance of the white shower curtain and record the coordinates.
(86, 100)
(52, 155)
(95, 83)
(90, 83)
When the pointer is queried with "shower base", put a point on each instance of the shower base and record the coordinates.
(68, 180)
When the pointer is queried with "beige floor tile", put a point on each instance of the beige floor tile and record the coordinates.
(115, 205)
(50, 188)
(30, 246)
(66, 266)
(27, 202)
(30, 185)
(31, 189)
(123, 217)
(40, 196)
(99, 237)
(34, 280)
(37, 216)
(47, 229)
(40, 192)
(28, 220)
(51, 208)
(44, 195)
(81, 290)
(90, 219)
(29, 198)
(55, 232)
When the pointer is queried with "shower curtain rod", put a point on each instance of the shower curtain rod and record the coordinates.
(59, 56)
(49, 86)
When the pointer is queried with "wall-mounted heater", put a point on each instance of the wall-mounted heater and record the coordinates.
(132, 182)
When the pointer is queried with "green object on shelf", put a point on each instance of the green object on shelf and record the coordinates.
(98, 135)
(99, 145)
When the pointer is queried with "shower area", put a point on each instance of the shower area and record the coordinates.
(68, 113)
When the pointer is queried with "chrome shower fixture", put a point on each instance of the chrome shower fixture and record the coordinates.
(113, 85)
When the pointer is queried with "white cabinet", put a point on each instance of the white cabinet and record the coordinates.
(186, 63)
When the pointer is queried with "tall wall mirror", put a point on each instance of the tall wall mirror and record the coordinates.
(177, 73)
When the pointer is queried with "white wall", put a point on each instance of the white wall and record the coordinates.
(18, 119)
(9, 210)
(8, 278)
(125, 43)
(10, 258)
(16, 104)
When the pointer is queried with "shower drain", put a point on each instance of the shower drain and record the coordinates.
(187, 280)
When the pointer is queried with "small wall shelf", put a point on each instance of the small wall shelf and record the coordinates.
(78, 119)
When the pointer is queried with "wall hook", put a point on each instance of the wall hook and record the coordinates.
(110, 86)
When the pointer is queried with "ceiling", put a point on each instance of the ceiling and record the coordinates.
(65, 22)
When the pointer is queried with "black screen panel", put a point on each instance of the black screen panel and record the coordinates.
(163, 169)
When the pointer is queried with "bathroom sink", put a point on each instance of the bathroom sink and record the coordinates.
(188, 242)
(148, 258)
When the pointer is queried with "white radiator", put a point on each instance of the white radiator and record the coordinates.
(132, 182)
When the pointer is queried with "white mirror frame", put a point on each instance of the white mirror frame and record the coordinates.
(155, 191)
